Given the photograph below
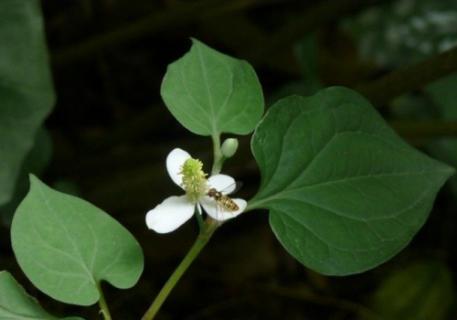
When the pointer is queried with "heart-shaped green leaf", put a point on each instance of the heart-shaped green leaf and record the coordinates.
(26, 92)
(210, 93)
(16, 304)
(66, 246)
(345, 193)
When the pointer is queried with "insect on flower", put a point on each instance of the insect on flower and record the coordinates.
(202, 194)
(222, 200)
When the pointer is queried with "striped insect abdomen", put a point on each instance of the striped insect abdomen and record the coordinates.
(222, 200)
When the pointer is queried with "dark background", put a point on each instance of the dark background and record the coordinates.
(111, 133)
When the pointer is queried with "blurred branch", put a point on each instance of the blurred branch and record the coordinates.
(410, 77)
(275, 50)
(266, 49)
(425, 129)
(154, 22)
(306, 22)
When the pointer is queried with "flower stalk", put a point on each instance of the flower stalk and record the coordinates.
(205, 234)
(187, 173)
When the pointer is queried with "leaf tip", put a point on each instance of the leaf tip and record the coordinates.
(450, 171)
(34, 180)
(195, 41)
(200, 45)
(447, 170)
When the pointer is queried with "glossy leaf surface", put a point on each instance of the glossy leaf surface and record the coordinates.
(345, 193)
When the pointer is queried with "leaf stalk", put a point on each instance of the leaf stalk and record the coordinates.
(104, 310)
(218, 157)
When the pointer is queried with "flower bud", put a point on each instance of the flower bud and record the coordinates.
(229, 147)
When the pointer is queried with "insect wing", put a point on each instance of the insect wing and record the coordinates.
(220, 206)
(232, 188)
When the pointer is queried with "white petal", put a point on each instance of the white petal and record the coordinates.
(175, 160)
(170, 214)
(217, 212)
(223, 183)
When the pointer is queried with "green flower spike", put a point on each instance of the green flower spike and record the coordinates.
(194, 179)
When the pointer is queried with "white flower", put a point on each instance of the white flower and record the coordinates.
(176, 210)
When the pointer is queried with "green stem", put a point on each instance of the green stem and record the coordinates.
(218, 158)
(102, 303)
(202, 239)
(201, 223)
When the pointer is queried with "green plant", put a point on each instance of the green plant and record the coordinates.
(343, 192)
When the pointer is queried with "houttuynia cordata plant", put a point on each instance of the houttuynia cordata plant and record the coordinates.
(344, 193)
